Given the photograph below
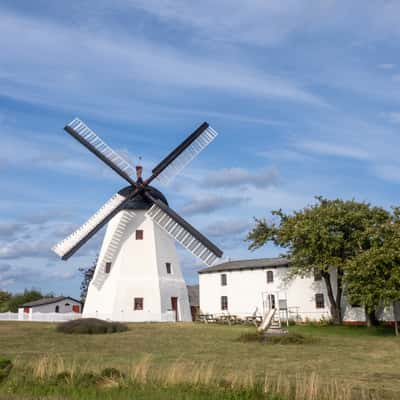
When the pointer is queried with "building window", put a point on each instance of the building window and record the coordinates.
(57, 310)
(319, 300)
(138, 303)
(223, 280)
(168, 268)
(317, 275)
(108, 267)
(270, 276)
(139, 234)
(224, 302)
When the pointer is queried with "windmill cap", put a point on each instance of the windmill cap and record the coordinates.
(140, 202)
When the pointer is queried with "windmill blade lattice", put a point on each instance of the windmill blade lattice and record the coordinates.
(184, 233)
(73, 242)
(179, 158)
(81, 132)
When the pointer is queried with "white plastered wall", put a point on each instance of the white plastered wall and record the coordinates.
(138, 271)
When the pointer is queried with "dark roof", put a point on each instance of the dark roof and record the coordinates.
(47, 300)
(258, 263)
(193, 292)
(140, 201)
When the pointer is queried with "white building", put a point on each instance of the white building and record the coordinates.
(59, 304)
(138, 275)
(249, 287)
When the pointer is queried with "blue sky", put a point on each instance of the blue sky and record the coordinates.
(305, 96)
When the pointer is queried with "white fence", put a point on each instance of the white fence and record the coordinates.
(8, 316)
(168, 316)
(39, 317)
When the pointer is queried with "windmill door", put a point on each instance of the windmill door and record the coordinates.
(174, 305)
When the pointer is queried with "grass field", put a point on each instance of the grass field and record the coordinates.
(352, 357)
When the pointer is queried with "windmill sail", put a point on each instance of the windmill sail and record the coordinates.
(73, 242)
(177, 160)
(83, 134)
(183, 232)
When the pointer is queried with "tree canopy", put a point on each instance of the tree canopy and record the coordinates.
(323, 238)
(11, 302)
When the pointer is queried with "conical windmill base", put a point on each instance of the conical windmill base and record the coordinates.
(138, 276)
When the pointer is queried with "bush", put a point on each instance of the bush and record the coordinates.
(288, 338)
(5, 368)
(111, 373)
(87, 379)
(91, 326)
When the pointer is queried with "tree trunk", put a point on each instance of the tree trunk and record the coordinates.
(339, 291)
(396, 326)
(335, 311)
(371, 318)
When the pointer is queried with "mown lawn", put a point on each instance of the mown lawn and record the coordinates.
(367, 358)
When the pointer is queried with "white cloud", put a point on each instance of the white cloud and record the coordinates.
(236, 177)
(337, 150)
(227, 228)
(211, 203)
(132, 64)
(387, 66)
(393, 116)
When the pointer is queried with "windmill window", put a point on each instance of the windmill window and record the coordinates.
(224, 302)
(223, 280)
(168, 268)
(67, 304)
(270, 276)
(319, 300)
(317, 275)
(57, 309)
(108, 267)
(138, 303)
(139, 234)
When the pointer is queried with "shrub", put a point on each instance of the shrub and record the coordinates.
(113, 373)
(5, 368)
(91, 326)
(251, 337)
(63, 377)
(288, 338)
(87, 379)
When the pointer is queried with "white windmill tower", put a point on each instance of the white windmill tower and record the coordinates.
(138, 276)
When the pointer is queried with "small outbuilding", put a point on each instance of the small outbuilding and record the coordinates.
(61, 304)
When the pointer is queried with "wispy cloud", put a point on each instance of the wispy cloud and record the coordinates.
(336, 150)
(207, 205)
(227, 228)
(236, 177)
(57, 78)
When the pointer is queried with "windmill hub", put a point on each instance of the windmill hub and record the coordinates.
(141, 201)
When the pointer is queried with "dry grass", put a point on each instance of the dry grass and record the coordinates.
(302, 387)
(339, 364)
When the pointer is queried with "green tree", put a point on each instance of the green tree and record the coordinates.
(373, 277)
(322, 238)
(87, 276)
(18, 299)
(4, 299)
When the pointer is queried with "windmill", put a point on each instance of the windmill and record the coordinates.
(138, 276)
